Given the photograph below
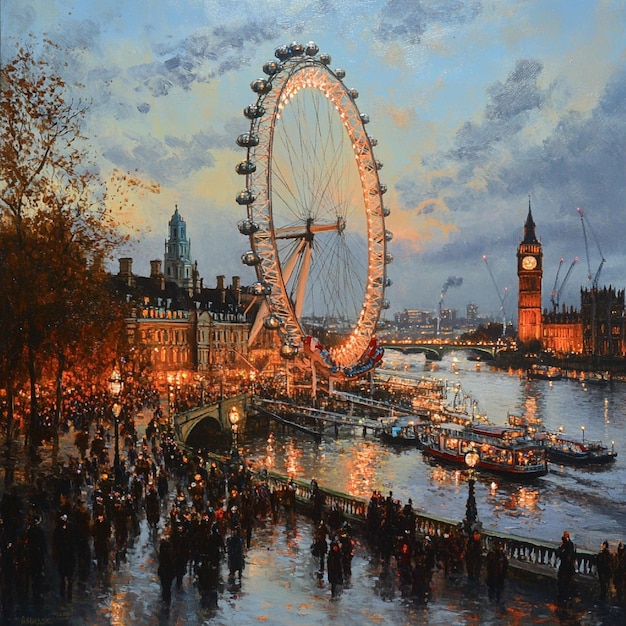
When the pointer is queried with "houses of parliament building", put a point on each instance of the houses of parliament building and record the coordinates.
(597, 328)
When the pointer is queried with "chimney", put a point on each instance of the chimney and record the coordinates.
(236, 283)
(126, 271)
(220, 282)
(155, 268)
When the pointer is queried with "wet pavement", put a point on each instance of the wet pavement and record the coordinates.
(280, 587)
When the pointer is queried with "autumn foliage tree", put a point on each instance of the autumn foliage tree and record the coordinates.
(59, 225)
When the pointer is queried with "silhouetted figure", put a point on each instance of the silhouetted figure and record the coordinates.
(64, 546)
(566, 552)
(473, 555)
(604, 566)
(497, 565)
(166, 569)
(335, 570)
(234, 548)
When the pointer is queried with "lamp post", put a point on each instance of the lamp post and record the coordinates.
(583, 429)
(471, 512)
(233, 418)
(115, 387)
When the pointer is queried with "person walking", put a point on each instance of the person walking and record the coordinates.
(64, 546)
(497, 565)
(234, 548)
(473, 555)
(604, 567)
(335, 569)
(167, 568)
(319, 548)
(566, 552)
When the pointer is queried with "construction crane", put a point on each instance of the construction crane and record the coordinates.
(555, 296)
(594, 283)
(501, 297)
(596, 278)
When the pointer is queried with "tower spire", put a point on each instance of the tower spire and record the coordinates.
(529, 226)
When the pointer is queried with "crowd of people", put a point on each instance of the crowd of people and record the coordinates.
(202, 515)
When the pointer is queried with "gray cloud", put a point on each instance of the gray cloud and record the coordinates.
(168, 162)
(408, 21)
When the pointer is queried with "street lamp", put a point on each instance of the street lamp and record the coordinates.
(583, 429)
(115, 387)
(233, 418)
(471, 512)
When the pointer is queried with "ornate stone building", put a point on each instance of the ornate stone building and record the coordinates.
(178, 327)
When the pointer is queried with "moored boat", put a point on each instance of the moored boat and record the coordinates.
(504, 450)
(402, 433)
(565, 449)
(538, 371)
(562, 448)
(594, 378)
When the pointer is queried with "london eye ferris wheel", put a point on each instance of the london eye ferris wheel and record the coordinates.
(315, 216)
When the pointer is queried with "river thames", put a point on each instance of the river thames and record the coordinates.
(589, 502)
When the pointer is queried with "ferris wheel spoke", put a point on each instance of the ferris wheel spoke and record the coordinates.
(301, 282)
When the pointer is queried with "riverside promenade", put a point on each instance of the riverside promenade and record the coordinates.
(280, 583)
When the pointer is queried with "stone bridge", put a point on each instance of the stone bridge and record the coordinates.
(434, 351)
(195, 426)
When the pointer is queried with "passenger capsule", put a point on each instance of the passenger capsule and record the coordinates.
(385, 304)
(260, 289)
(386, 212)
(388, 282)
(340, 74)
(388, 258)
(271, 68)
(245, 167)
(354, 94)
(253, 111)
(383, 188)
(247, 227)
(379, 165)
(288, 351)
(282, 53)
(388, 235)
(325, 58)
(272, 322)
(247, 140)
(373, 141)
(365, 118)
(297, 49)
(250, 258)
(245, 197)
(311, 49)
(260, 86)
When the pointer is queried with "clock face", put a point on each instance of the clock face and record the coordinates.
(529, 262)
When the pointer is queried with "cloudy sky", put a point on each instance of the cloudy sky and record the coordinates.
(477, 105)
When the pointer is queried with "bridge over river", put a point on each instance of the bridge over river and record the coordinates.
(434, 350)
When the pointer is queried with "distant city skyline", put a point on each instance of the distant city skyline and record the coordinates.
(476, 107)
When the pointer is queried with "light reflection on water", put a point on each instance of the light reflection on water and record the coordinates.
(588, 502)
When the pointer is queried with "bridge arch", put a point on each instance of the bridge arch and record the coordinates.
(202, 423)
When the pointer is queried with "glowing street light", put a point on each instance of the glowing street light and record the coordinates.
(115, 387)
(471, 511)
(233, 418)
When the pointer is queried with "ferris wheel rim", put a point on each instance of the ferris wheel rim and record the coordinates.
(291, 75)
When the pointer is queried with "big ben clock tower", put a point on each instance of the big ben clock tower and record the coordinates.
(529, 273)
